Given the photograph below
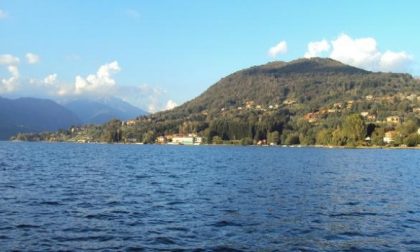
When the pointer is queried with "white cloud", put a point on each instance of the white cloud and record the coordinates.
(361, 52)
(50, 79)
(101, 82)
(10, 84)
(32, 58)
(8, 59)
(316, 48)
(3, 14)
(280, 48)
(170, 105)
(395, 61)
(364, 53)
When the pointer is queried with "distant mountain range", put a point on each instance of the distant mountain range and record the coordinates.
(101, 110)
(32, 115)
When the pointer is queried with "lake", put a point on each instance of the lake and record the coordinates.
(61, 196)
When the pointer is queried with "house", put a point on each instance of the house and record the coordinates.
(364, 113)
(161, 140)
(130, 122)
(249, 104)
(311, 117)
(198, 140)
(289, 102)
(349, 104)
(183, 140)
(371, 117)
(393, 119)
(411, 97)
(369, 97)
(191, 139)
(390, 136)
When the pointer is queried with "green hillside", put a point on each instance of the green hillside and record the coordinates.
(305, 101)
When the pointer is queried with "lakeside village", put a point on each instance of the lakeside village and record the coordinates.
(389, 137)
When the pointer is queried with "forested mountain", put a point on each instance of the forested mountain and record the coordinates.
(305, 101)
(101, 110)
(33, 115)
(313, 82)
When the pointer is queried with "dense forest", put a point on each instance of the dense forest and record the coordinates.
(303, 102)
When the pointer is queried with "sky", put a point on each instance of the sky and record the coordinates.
(159, 54)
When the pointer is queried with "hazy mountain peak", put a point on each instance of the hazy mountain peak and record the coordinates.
(102, 109)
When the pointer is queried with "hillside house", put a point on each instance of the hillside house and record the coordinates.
(161, 140)
(416, 110)
(311, 117)
(390, 136)
(364, 113)
(191, 139)
(393, 119)
(130, 122)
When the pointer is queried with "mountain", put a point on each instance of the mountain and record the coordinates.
(101, 110)
(305, 101)
(314, 82)
(33, 115)
(295, 99)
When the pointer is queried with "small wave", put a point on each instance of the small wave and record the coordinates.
(163, 240)
(142, 176)
(135, 249)
(100, 238)
(354, 214)
(182, 229)
(51, 203)
(412, 242)
(226, 224)
(351, 234)
(27, 226)
(172, 203)
(352, 203)
(413, 221)
(222, 248)
(99, 216)
(4, 237)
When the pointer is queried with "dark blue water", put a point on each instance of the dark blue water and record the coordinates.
(132, 197)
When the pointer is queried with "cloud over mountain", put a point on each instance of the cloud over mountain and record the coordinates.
(279, 48)
(361, 52)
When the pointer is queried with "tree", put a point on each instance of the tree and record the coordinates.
(324, 137)
(246, 141)
(149, 137)
(377, 136)
(273, 137)
(412, 140)
(217, 140)
(354, 129)
(292, 139)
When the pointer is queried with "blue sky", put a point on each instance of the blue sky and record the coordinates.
(160, 53)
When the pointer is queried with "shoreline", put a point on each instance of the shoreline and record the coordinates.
(237, 145)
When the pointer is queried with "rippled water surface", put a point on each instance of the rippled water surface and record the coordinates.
(133, 197)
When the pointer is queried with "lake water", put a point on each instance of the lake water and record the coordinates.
(207, 198)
